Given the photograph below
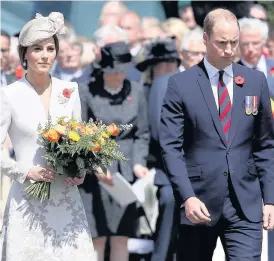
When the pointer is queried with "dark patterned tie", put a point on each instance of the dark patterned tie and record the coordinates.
(224, 105)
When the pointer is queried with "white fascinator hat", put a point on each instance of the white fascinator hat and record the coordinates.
(41, 28)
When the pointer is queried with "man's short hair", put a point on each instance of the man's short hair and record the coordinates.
(259, 7)
(5, 33)
(215, 16)
(195, 36)
(101, 34)
(254, 24)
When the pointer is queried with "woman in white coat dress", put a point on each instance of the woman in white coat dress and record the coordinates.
(56, 229)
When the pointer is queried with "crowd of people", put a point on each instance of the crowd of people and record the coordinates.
(122, 76)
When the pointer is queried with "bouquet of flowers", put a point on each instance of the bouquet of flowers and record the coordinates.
(75, 149)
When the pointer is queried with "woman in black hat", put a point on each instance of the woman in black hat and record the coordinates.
(113, 99)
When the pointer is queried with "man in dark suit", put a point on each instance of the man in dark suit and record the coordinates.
(163, 59)
(217, 141)
(253, 36)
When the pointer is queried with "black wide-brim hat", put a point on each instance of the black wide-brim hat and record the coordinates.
(116, 57)
(159, 50)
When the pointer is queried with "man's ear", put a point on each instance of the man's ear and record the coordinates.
(205, 38)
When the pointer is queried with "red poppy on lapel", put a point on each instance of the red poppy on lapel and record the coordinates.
(129, 99)
(239, 80)
(272, 71)
(67, 93)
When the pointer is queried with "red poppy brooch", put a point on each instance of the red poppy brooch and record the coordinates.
(239, 80)
(65, 95)
(272, 71)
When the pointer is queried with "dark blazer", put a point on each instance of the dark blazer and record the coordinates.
(196, 155)
(270, 76)
(155, 101)
(127, 107)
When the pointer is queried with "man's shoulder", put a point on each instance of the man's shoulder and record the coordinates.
(241, 70)
(187, 74)
(269, 62)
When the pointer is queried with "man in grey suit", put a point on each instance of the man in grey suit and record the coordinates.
(253, 36)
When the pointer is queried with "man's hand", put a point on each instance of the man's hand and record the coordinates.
(196, 211)
(268, 217)
(140, 171)
(106, 178)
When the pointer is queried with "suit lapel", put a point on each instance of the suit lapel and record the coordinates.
(206, 89)
(237, 105)
(270, 79)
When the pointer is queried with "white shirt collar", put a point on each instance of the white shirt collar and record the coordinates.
(213, 71)
(259, 65)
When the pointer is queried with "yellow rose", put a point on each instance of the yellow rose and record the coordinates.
(89, 131)
(61, 129)
(105, 135)
(74, 136)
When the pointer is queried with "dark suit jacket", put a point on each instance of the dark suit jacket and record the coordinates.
(127, 107)
(195, 152)
(270, 76)
(156, 98)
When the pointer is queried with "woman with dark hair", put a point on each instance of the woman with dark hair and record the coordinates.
(112, 98)
(55, 229)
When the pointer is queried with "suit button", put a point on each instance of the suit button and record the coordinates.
(225, 173)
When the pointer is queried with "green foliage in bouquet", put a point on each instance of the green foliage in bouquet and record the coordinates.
(76, 149)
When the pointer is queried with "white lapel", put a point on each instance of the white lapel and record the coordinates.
(60, 105)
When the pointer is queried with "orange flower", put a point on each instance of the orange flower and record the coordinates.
(95, 147)
(112, 129)
(61, 129)
(53, 135)
(89, 131)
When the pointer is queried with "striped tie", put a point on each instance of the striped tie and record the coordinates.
(224, 105)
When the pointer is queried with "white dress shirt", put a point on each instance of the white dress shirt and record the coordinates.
(260, 66)
(213, 74)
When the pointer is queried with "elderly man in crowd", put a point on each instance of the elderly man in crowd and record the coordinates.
(131, 23)
(69, 65)
(193, 49)
(253, 36)
(111, 13)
